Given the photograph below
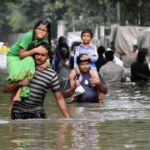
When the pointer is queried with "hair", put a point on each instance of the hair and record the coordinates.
(79, 59)
(109, 55)
(87, 31)
(48, 24)
(101, 50)
(61, 38)
(142, 55)
(47, 46)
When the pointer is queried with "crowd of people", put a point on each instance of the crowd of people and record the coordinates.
(92, 70)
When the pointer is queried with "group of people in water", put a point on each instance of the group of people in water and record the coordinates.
(33, 70)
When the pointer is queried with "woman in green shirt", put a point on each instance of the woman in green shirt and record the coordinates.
(19, 58)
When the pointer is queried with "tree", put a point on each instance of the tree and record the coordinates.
(21, 15)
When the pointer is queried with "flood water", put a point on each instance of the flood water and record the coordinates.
(122, 122)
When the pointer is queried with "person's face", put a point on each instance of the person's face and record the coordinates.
(84, 67)
(41, 31)
(40, 58)
(86, 38)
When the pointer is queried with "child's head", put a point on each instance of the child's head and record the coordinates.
(42, 29)
(86, 36)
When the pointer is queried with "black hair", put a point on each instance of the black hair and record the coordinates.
(47, 46)
(87, 31)
(109, 55)
(79, 59)
(61, 38)
(142, 55)
(101, 50)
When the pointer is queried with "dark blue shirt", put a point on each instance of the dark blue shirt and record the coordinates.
(90, 94)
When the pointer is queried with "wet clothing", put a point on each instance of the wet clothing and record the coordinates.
(28, 115)
(40, 84)
(140, 72)
(20, 69)
(112, 72)
(91, 51)
(90, 95)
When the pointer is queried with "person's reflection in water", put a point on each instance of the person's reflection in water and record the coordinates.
(85, 135)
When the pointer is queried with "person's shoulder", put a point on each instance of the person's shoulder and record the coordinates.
(92, 46)
(50, 70)
(105, 65)
(117, 65)
(29, 33)
(79, 46)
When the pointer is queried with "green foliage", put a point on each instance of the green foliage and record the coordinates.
(21, 15)
(17, 21)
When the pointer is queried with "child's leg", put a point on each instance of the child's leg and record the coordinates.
(17, 96)
(72, 83)
(14, 97)
(94, 74)
(11, 102)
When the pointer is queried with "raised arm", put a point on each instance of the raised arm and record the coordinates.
(24, 53)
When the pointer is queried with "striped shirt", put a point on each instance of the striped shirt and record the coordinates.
(39, 86)
(91, 51)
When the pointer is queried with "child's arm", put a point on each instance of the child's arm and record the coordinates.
(24, 53)
(72, 75)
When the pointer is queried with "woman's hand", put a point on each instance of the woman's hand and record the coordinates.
(39, 49)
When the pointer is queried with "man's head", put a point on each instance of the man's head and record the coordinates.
(109, 55)
(142, 55)
(40, 58)
(83, 62)
(101, 50)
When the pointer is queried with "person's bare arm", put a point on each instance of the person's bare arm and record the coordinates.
(12, 87)
(23, 53)
(68, 92)
(102, 87)
(61, 103)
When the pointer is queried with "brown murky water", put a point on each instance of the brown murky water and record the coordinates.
(120, 123)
